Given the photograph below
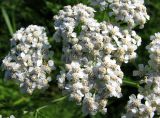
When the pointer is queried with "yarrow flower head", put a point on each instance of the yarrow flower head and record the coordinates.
(77, 27)
(149, 105)
(132, 12)
(90, 75)
(91, 85)
(29, 61)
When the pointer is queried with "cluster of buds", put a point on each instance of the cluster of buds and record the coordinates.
(149, 102)
(91, 85)
(93, 53)
(99, 39)
(29, 62)
(132, 12)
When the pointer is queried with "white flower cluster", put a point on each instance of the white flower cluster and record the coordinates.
(29, 59)
(132, 12)
(93, 53)
(148, 99)
(154, 51)
(99, 39)
(91, 85)
(137, 109)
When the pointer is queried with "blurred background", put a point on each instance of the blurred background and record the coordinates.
(15, 14)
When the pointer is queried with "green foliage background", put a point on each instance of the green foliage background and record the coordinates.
(51, 103)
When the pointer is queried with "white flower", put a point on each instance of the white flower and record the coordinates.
(50, 63)
(27, 60)
(92, 53)
(132, 12)
(135, 107)
(12, 116)
(97, 38)
(151, 88)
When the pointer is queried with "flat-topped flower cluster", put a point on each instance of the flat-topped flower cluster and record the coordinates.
(132, 12)
(99, 39)
(93, 53)
(29, 62)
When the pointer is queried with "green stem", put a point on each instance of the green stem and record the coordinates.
(56, 100)
(37, 111)
(22, 100)
(132, 84)
(59, 99)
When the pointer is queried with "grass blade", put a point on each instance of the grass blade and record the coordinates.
(7, 20)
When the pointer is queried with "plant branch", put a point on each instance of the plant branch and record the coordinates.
(131, 83)
(53, 101)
